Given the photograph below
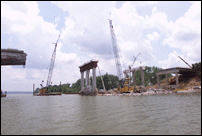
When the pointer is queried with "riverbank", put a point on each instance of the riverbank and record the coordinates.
(152, 92)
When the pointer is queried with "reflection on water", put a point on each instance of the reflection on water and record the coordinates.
(74, 114)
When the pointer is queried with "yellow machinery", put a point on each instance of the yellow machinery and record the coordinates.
(125, 87)
(43, 91)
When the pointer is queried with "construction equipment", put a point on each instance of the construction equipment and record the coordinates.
(116, 56)
(125, 86)
(183, 60)
(115, 50)
(130, 66)
(50, 70)
(124, 83)
(52, 64)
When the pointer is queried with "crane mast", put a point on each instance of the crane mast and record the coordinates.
(115, 50)
(52, 64)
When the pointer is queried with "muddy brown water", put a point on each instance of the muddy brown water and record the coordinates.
(74, 114)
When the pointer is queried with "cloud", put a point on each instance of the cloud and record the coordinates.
(185, 33)
(87, 26)
(193, 52)
(157, 20)
(88, 30)
(22, 13)
(142, 3)
(17, 74)
(174, 61)
(153, 37)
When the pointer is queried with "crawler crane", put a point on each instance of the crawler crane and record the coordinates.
(116, 55)
(44, 91)
(126, 86)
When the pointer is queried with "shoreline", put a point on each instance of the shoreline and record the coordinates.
(153, 93)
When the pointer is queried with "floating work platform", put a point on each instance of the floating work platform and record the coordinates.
(47, 94)
(44, 92)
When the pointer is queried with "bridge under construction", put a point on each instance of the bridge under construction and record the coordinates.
(13, 57)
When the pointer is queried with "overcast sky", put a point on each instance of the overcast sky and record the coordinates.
(158, 30)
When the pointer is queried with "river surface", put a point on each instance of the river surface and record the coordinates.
(169, 114)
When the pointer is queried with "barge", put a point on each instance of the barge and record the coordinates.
(43, 92)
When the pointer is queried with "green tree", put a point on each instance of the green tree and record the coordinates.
(99, 83)
(106, 81)
(77, 86)
(196, 68)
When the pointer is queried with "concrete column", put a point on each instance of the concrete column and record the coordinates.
(94, 79)
(177, 79)
(142, 76)
(87, 77)
(133, 78)
(82, 79)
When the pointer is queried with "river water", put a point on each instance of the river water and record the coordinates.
(90, 115)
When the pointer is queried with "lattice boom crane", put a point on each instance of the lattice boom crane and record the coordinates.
(52, 64)
(115, 50)
(130, 66)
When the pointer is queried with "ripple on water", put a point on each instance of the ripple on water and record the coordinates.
(73, 114)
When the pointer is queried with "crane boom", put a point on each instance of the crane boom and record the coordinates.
(52, 64)
(134, 61)
(115, 50)
(183, 60)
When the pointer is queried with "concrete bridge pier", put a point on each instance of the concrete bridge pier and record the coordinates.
(88, 89)
(94, 78)
(87, 77)
(82, 79)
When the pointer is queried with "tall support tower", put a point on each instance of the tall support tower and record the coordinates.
(52, 64)
(115, 50)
